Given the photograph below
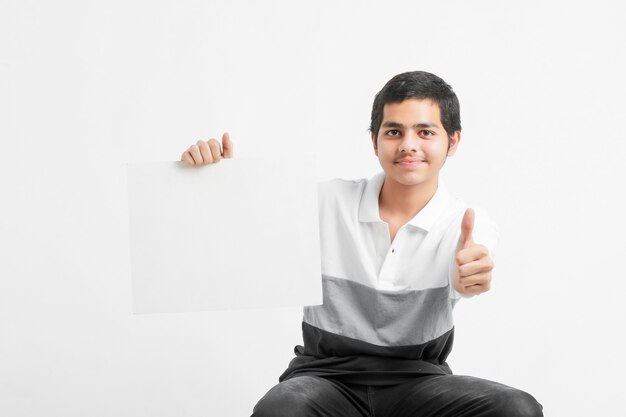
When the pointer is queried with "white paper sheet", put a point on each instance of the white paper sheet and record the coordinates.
(242, 233)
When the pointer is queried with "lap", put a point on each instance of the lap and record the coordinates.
(311, 396)
(424, 396)
(454, 396)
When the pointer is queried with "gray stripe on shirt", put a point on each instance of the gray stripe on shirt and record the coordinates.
(384, 318)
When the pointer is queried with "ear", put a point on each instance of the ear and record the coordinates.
(375, 144)
(454, 142)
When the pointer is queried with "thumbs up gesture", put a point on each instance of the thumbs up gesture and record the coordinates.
(473, 264)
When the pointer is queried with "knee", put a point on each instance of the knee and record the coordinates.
(294, 397)
(515, 403)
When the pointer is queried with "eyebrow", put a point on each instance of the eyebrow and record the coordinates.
(415, 126)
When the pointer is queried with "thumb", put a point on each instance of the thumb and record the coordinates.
(467, 228)
(227, 146)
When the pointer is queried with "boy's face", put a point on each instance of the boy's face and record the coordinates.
(412, 144)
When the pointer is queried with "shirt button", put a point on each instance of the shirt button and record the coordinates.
(393, 250)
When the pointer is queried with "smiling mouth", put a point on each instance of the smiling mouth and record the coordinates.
(409, 161)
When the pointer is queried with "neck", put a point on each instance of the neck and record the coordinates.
(399, 200)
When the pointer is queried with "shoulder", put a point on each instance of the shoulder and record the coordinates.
(340, 190)
(455, 207)
(449, 224)
(340, 184)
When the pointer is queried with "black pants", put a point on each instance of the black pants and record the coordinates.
(424, 396)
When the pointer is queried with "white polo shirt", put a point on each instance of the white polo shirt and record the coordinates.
(387, 305)
(358, 256)
(421, 252)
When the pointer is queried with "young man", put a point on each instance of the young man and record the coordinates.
(397, 252)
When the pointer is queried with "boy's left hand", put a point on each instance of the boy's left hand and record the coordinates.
(473, 263)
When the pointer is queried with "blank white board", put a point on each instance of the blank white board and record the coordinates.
(242, 233)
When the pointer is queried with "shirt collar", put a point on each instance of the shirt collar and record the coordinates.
(425, 219)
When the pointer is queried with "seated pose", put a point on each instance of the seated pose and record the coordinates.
(398, 251)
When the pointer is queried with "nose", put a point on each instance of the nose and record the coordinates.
(410, 142)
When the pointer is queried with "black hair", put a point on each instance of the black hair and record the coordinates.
(420, 85)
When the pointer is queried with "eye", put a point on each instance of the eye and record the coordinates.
(393, 132)
(427, 133)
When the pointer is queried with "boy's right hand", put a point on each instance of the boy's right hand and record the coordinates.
(208, 152)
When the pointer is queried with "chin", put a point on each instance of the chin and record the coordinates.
(408, 179)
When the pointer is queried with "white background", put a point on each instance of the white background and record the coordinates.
(86, 86)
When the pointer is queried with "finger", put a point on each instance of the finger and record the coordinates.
(194, 151)
(471, 254)
(476, 289)
(476, 279)
(227, 145)
(205, 151)
(467, 228)
(186, 158)
(476, 267)
(216, 150)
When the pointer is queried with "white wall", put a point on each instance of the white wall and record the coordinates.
(87, 86)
